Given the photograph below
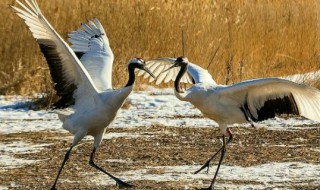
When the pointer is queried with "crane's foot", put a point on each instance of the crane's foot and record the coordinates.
(207, 188)
(121, 184)
(53, 188)
(206, 165)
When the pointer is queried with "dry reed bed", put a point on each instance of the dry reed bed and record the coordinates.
(244, 39)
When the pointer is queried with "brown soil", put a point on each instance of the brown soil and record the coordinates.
(170, 146)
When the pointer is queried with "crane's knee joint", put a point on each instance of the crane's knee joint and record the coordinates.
(91, 163)
(66, 157)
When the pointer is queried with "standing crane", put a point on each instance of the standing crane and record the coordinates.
(82, 78)
(248, 101)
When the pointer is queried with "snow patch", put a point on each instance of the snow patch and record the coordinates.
(119, 160)
(20, 147)
(10, 162)
(255, 177)
(3, 187)
(148, 108)
(8, 150)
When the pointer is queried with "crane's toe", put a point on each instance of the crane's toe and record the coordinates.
(206, 165)
(207, 188)
(121, 184)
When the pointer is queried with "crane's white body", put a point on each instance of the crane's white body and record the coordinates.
(202, 96)
(223, 103)
(96, 103)
(92, 120)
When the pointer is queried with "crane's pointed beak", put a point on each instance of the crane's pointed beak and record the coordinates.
(173, 66)
(148, 71)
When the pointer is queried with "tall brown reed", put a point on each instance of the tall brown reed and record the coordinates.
(250, 38)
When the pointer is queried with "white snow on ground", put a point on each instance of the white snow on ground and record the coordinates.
(17, 125)
(8, 150)
(20, 147)
(283, 174)
(127, 135)
(14, 119)
(144, 110)
(111, 136)
(293, 123)
(9, 162)
(158, 107)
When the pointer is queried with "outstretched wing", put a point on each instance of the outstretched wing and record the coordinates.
(91, 44)
(194, 74)
(264, 98)
(157, 66)
(66, 70)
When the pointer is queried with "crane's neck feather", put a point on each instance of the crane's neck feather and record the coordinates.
(132, 76)
(182, 71)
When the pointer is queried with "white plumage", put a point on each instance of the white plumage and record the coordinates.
(248, 101)
(87, 104)
(98, 58)
(253, 92)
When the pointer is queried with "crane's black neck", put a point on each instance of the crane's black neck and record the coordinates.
(132, 76)
(183, 69)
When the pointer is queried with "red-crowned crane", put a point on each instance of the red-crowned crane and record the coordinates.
(248, 101)
(82, 76)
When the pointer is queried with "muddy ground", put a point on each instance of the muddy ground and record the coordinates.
(170, 147)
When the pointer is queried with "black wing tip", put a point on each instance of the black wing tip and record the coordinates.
(272, 108)
(64, 102)
(63, 88)
(278, 106)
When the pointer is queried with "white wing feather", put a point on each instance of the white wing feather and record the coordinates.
(73, 70)
(157, 66)
(91, 39)
(257, 92)
(199, 74)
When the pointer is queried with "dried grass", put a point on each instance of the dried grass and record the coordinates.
(244, 39)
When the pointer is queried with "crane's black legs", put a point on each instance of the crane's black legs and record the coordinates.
(66, 157)
(207, 164)
(119, 182)
(220, 161)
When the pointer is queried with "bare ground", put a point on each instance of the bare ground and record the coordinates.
(170, 147)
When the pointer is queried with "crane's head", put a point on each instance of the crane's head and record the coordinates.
(179, 62)
(139, 63)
